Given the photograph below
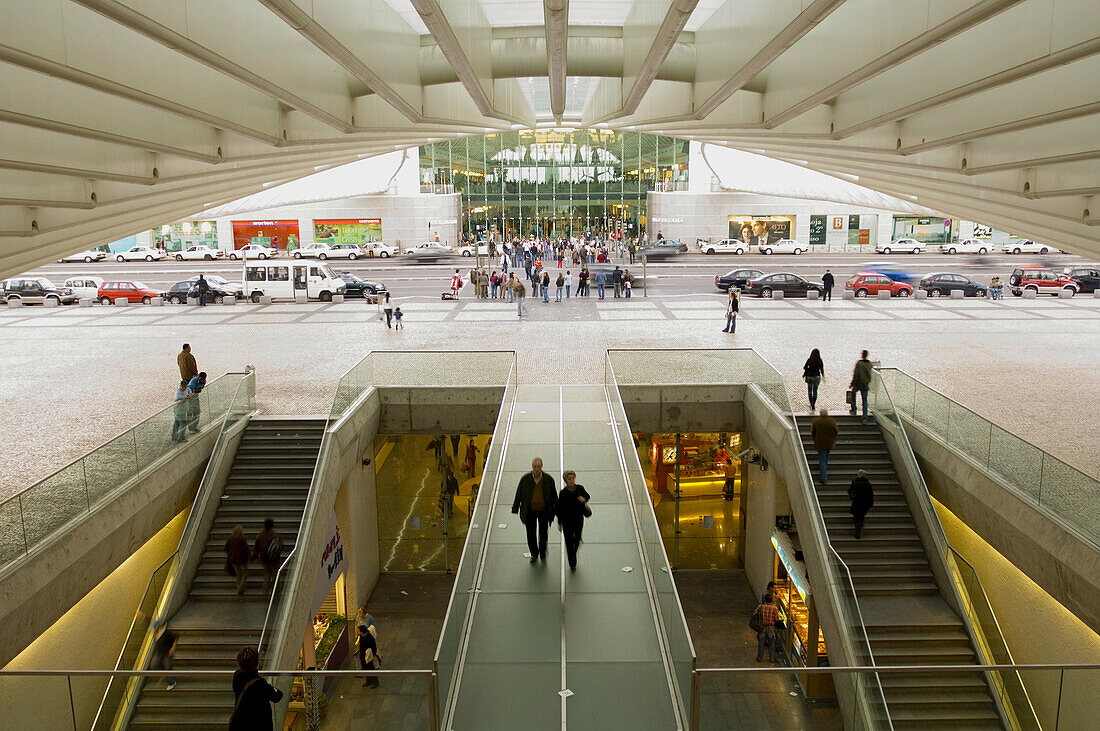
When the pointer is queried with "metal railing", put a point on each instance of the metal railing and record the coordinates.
(53, 504)
(1071, 496)
(739, 366)
(117, 698)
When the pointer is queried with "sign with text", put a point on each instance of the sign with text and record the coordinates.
(331, 562)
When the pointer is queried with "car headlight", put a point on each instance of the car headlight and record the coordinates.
(341, 289)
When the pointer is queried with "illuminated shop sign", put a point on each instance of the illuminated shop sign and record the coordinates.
(785, 550)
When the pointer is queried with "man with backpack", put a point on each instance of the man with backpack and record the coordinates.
(268, 550)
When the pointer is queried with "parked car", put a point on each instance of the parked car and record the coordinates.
(308, 251)
(254, 251)
(871, 283)
(85, 256)
(725, 246)
(468, 250)
(177, 294)
(202, 252)
(1026, 247)
(130, 291)
(891, 269)
(783, 246)
(736, 278)
(662, 250)
(382, 251)
(680, 246)
(966, 246)
(359, 287)
(35, 291)
(940, 284)
(428, 253)
(84, 286)
(1087, 278)
(138, 253)
(340, 251)
(791, 285)
(901, 245)
(220, 282)
(426, 245)
(1040, 279)
(288, 280)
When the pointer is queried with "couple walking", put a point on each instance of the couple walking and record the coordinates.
(538, 502)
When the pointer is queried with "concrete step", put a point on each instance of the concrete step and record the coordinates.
(916, 653)
(901, 683)
(192, 720)
(214, 553)
(932, 716)
(219, 594)
(213, 657)
(864, 575)
(173, 699)
(917, 588)
(190, 686)
(942, 635)
(977, 699)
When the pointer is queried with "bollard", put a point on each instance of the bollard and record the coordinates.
(921, 294)
(813, 294)
(337, 299)
(957, 294)
(777, 294)
(884, 294)
(1029, 294)
(1096, 293)
(50, 302)
(300, 298)
(86, 301)
(1065, 293)
(230, 300)
(157, 301)
(122, 301)
(849, 294)
(265, 299)
(193, 301)
(15, 302)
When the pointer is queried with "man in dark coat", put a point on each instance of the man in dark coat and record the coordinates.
(252, 694)
(827, 282)
(863, 499)
(824, 431)
(536, 502)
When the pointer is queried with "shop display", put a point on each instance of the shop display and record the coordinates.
(278, 234)
(802, 640)
(357, 231)
(179, 236)
(702, 463)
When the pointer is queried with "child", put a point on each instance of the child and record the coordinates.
(397, 315)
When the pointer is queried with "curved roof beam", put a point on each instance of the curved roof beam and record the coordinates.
(35, 167)
(556, 18)
(1038, 120)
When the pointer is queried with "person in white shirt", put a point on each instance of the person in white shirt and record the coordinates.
(568, 283)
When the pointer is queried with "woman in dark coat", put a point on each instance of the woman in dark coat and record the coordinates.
(571, 510)
(252, 694)
(863, 498)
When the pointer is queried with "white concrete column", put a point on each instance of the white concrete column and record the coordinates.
(885, 227)
(225, 234)
(699, 173)
(357, 513)
(766, 497)
(145, 238)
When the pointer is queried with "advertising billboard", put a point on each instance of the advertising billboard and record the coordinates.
(356, 231)
(179, 236)
(926, 230)
(756, 230)
(280, 234)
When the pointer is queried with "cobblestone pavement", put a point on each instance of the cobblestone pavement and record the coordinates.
(73, 377)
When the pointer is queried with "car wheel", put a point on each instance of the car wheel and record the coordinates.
(120, 258)
(326, 297)
(353, 256)
(1033, 289)
(1072, 291)
(148, 257)
(886, 250)
(87, 260)
(105, 301)
(175, 300)
(936, 292)
(322, 257)
(767, 251)
(903, 293)
(466, 253)
(766, 292)
(146, 300)
(263, 256)
(797, 252)
(983, 250)
(255, 298)
(179, 257)
(739, 252)
(384, 255)
(981, 293)
(861, 293)
(915, 251)
(1016, 250)
(951, 250)
(708, 252)
(233, 256)
(208, 258)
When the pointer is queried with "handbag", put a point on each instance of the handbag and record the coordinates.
(229, 568)
(586, 510)
(241, 698)
(849, 397)
(756, 624)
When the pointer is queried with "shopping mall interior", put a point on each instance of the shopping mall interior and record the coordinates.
(331, 518)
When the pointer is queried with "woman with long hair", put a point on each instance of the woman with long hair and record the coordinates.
(812, 372)
(732, 307)
(236, 555)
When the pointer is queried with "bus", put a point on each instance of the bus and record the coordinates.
(287, 280)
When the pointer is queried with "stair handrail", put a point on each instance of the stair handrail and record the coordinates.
(187, 536)
(1003, 703)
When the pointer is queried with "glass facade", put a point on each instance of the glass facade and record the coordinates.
(555, 182)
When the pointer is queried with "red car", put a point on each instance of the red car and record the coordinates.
(1041, 280)
(869, 284)
(109, 292)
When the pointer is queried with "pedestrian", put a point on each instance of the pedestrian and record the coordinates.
(188, 367)
(545, 286)
(861, 382)
(633, 250)
(582, 283)
(824, 431)
(571, 511)
(494, 284)
(568, 283)
(813, 372)
(827, 282)
(366, 654)
(863, 499)
(194, 403)
(628, 283)
(483, 284)
(536, 501)
(601, 282)
(560, 286)
(456, 284)
(164, 648)
(768, 592)
(181, 413)
(203, 287)
(252, 695)
(528, 262)
(236, 556)
(520, 292)
(510, 288)
(767, 636)
(617, 281)
(469, 465)
(730, 472)
(387, 307)
(268, 550)
(397, 315)
(732, 307)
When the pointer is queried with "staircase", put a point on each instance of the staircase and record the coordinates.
(270, 478)
(908, 622)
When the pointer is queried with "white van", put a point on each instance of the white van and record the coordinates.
(84, 287)
(285, 280)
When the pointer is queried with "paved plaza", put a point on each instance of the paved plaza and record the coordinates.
(73, 377)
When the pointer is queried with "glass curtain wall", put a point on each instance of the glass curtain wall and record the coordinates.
(553, 183)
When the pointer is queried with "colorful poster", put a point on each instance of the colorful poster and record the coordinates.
(280, 234)
(331, 562)
(926, 230)
(179, 236)
(756, 230)
(356, 231)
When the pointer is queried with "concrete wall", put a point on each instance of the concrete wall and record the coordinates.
(1038, 629)
(36, 592)
(87, 637)
(669, 409)
(357, 514)
(765, 497)
(439, 410)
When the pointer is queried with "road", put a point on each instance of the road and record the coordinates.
(686, 274)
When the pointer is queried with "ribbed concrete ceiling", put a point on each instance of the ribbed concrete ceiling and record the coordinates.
(116, 116)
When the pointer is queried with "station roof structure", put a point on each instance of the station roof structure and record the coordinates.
(116, 116)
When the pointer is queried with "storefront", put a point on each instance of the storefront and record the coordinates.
(357, 231)
(179, 236)
(279, 234)
(843, 232)
(801, 639)
(757, 230)
(695, 482)
(925, 230)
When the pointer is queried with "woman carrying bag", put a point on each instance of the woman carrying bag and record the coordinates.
(731, 311)
(572, 509)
